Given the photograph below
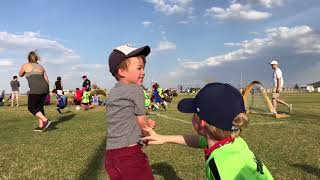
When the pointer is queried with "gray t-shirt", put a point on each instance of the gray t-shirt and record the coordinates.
(125, 102)
(15, 85)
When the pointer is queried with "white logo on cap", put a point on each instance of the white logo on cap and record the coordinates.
(198, 109)
(233, 128)
(126, 49)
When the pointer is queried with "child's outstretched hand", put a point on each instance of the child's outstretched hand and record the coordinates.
(151, 123)
(153, 137)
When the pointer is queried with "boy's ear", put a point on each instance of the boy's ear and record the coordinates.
(121, 72)
(203, 123)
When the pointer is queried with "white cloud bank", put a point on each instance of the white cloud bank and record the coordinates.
(265, 3)
(165, 46)
(51, 50)
(172, 7)
(237, 11)
(6, 63)
(146, 23)
(299, 39)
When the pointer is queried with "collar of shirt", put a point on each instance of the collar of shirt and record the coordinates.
(208, 151)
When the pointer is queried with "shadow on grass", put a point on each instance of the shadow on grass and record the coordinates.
(308, 168)
(95, 164)
(165, 170)
(59, 121)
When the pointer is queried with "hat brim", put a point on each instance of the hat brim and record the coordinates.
(145, 51)
(186, 105)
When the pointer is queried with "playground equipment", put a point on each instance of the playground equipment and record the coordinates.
(98, 92)
(250, 89)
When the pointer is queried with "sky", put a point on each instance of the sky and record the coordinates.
(192, 41)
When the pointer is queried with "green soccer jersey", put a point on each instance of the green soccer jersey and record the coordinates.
(234, 161)
(160, 90)
(147, 98)
(86, 97)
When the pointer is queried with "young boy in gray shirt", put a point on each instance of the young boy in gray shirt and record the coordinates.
(126, 116)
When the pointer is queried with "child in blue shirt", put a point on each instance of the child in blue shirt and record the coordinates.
(61, 100)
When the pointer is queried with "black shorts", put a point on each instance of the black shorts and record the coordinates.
(76, 102)
(36, 103)
(61, 107)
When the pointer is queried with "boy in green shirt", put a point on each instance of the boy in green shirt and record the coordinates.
(147, 100)
(85, 99)
(219, 115)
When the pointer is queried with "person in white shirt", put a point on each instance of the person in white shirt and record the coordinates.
(277, 86)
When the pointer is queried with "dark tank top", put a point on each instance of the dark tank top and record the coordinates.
(58, 85)
(36, 81)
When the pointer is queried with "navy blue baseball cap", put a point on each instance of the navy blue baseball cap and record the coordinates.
(217, 104)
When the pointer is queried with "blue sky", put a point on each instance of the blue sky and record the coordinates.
(192, 41)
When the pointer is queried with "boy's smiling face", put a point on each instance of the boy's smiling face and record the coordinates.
(134, 73)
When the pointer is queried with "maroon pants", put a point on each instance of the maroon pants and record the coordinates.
(127, 163)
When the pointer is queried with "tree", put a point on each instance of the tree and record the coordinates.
(296, 87)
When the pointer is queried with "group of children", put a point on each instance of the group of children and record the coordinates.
(156, 99)
(82, 99)
(218, 118)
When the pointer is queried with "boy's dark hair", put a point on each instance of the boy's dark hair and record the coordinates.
(54, 91)
(77, 89)
(15, 77)
(59, 78)
(155, 86)
(33, 53)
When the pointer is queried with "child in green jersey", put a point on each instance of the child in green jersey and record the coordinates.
(219, 115)
(85, 99)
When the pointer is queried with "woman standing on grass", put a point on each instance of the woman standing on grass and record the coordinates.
(39, 88)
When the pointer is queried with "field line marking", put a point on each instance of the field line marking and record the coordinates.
(266, 123)
(167, 117)
(187, 122)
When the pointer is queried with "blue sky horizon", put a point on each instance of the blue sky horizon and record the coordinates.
(192, 42)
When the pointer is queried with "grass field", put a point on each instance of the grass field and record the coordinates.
(73, 147)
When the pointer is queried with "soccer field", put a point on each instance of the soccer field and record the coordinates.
(73, 147)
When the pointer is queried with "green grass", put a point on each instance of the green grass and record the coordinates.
(74, 147)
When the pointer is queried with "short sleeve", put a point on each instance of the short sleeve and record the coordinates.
(137, 97)
(203, 143)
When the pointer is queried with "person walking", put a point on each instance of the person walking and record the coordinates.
(277, 87)
(39, 88)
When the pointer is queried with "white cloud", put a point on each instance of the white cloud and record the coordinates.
(146, 23)
(265, 3)
(6, 62)
(170, 7)
(50, 50)
(55, 57)
(232, 44)
(299, 39)
(165, 46)
(184, 22)
(237, 12)
(88, 66)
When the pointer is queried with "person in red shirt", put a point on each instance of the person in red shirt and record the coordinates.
(78, 97)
